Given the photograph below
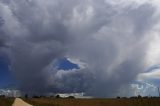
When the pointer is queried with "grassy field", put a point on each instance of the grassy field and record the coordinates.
(6, 101)
(94, 102)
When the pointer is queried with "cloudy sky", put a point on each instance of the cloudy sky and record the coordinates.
(103, 48)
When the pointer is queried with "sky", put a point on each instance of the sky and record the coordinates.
(104, 48)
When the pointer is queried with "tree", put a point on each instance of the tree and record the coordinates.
(26, 96)
(139, 96)
(58, 96)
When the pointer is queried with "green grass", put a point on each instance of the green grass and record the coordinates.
(6, 101)
(94, 102)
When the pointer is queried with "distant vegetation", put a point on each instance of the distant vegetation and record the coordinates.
(6, 101)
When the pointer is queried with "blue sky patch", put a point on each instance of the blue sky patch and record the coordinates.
(64, 64)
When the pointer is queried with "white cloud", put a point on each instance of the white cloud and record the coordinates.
(78, 62)
(152, 54)
(144, 89)
(149, 76)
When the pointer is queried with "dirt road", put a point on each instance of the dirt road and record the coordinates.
(20, 102)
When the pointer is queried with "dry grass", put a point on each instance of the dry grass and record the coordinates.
(94, 102)
(6, 101)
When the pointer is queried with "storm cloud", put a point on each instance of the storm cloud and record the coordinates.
(109, 39)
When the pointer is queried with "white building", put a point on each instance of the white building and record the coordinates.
(76, 95)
